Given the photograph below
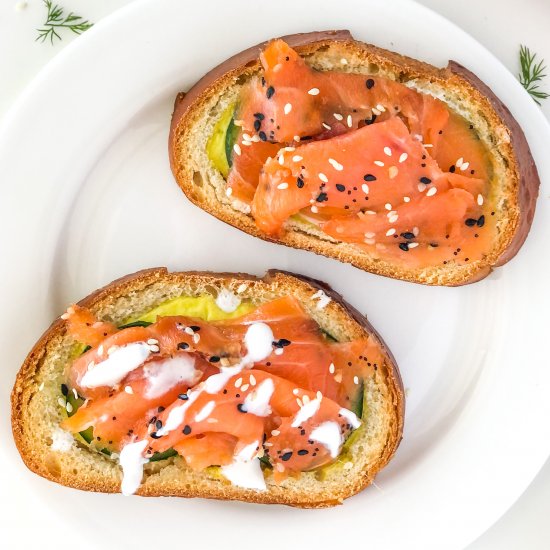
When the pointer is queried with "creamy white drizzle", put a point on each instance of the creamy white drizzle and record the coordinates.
(328, 434)
(227, 301)
(257, 401)
(245, 470)
(163, 375)
(205, 412)
(62, 441)
(306, 412)
(121, 361)
(258, 340)
(177, 414)
(322, 299)
(351, 417)
(132, 460)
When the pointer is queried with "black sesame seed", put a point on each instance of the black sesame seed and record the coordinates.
(305, 138)
(286, 456)
(423, 157)
(434, 245)
(440, 132)
(158, 424)
(186, 430)
(114, 417)
(268, 364)
(214, 359)
(241, 408)
(404, 246)
(452, 169)
(302, 432)
(284, 342)
(257, 125)
(262, 135)
(322, 197)
(303, 452)
(425, 180)
(259, 116)
(195, 328)
(183, 345)
(160, 409)
(64, 389)
(270, 92)
(263, 81)
(369, 177)
(153, 420)
(154, 435)
(224, 391)
(472, 172)
(287, 58)
(407, 235)
(299, 182)
(369, 121)
(183, 396)
(369, 83)
(423, 165)
(481, 221)
(470, 222)
(340, 187)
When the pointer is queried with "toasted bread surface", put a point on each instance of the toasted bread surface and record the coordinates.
(514, 185)
(36, 414)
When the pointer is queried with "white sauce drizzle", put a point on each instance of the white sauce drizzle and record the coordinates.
(121, 361)
(351, 417)
(322, 299)
(245, 470)
(131, 460)
(257, 402)
(329, 435)
(227, 301)
(205, 412)
(62, 441)
(162, 376)
(258, 340)
(306, 412)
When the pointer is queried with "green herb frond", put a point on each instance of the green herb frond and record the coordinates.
(56, 20)
(532, 73)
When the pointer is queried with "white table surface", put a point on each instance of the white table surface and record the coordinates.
(500, 25)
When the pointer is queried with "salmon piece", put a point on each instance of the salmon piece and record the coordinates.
(84, 327)
(207, 449)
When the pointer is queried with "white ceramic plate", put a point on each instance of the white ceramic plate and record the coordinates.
(87, 195)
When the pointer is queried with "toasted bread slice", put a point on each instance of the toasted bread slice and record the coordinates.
(36, 414)
(514, 185)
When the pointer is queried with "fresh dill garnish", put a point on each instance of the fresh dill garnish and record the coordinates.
(532, 74)
(57, 20)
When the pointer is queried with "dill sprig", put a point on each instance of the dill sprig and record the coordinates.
(532, 74)
(57, 20)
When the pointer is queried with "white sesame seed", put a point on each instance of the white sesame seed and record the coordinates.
(241, 288)
(406, 199)
(279, 467)
(238, 122)
(413, 245)
(388, 151)
(390, 232)
(403, 157)
(156, 349)
(418, 137)
(252, 380)
(296, 391)
(370, 212)
(381, 108)
(336, 165)
(378, 163)
(41, 387)
(338, 377)
(427, 145)
(422, 187)
(151, 342)
(228, 191)
(416, 231)
(326, 126)
(394, 218)
(297, 138)
(480, 199)
(277, 67)
(244, 387)
(196, 338)
(465, 166)
(349, 121)
(246, 142)
(288, 108)
(375, 111)
(212, 420)
(299, 401)
(338, 116)
(431, 192)
(69, 408)
(331, 368)
(238, 382)
(237, 149)
(268, 444)
(275, 433)
(247, 137)
(319, 395)
(281, 159)
(459, 162)
(314, 209)
(65, 316)
(369, 241)
(75, 393)
(61, 401)
(365, 188)
(189, 330)
(356, 380)
(297, 158)
(344, 61)
(369, 235)
(393, 171)
(279, 351)
(322, 177)
(283, 185)
(128, 389)
(313, 91)
(387, 206)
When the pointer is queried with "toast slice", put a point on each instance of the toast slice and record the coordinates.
(36, 414)
(514, 183)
